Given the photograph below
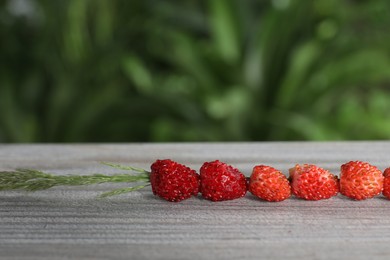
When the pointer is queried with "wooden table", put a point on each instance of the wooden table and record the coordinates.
(70, 223)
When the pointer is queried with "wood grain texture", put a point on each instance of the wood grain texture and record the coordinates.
(70, 223)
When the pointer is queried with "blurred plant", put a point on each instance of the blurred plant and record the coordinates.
(98, 70)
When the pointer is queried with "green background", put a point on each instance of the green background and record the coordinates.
(217, 70)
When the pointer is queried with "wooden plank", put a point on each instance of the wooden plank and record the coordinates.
(70, 223)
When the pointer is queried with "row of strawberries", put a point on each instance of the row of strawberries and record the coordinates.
(219, 181)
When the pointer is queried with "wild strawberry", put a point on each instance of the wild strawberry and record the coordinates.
(360, 180)
(386, 183)
(313, 183)
(269, 184)
(219, 181)
(173, 181)
(169, 180)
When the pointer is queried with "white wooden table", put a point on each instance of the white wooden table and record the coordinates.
(70, 223)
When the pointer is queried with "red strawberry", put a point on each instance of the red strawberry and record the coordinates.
(313, 183)
(219, 181)
(173, 181)
(386, 183)
(360, 180)
(269, 184)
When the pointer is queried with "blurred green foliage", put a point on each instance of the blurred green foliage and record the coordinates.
(217, 70)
